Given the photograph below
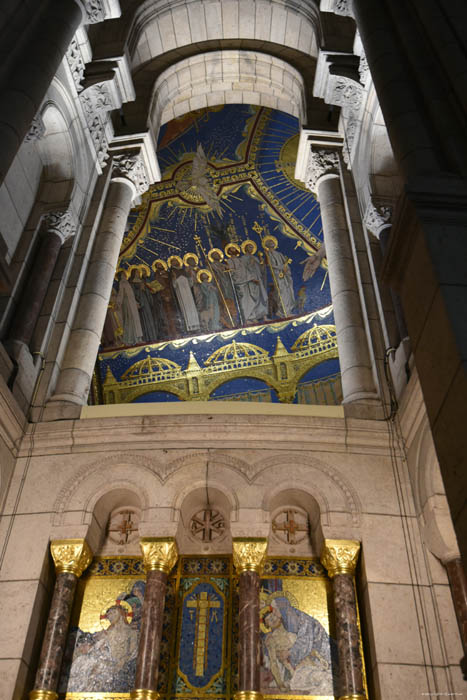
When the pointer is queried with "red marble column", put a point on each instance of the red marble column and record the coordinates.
(249, 555)
(71, 558)
(458, 583)
(159, 556)
(340, 558)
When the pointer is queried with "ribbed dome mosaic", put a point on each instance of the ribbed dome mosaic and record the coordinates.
(222, 260)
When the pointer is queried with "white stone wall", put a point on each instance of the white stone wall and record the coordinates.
(223, 77)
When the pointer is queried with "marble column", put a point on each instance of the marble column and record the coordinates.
(71, 558)
(56, 227)
(159, 556)
(127, 181)
(340, 558)
(249, 555)
(32, 71)
(458, 584)
(323, 178)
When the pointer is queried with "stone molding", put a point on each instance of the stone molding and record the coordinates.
(249, 553)
(70, 556)
(131, 167)
(322, 161)
(377, 217)
(340, 556)
(36, 131)
(61, 223)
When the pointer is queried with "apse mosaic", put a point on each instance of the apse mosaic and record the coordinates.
(199, 650)
(222, 290)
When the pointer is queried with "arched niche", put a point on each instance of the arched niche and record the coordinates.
(293, 509)
(204, 521)
(117, 508)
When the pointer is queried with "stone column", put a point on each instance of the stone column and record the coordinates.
(323, 178)
(249, 555)
(458, 584)
(71, 558)
(56, 226)
(340, 558)
(127, 181)
(159, 556)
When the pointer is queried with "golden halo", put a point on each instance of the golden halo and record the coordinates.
(187, 256)
(235, 246)
(270, 238)
(203, 271)
(249, 242)
(161, 262)
(175, 258)
(281, 594)
(118, 603)
(215, 250)
(125, 272)
(142, 269)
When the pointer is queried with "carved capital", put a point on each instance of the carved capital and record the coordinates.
(346, 93)
(320, 163)
(377, 217)
(130, 166)
(61, 223)
(70, 556)
(340, 556)
(36, 130)
(159, 553)
(249, 553)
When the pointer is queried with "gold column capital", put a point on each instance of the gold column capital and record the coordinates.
(159, 553)
(70, 556)
(340, 556)
(43, 695)
(249, 553)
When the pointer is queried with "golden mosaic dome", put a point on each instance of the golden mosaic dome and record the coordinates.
(237, 353)
(316, 338)
(150, 366)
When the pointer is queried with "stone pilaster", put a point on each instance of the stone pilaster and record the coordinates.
(323, 178)
(71, 558)
(160, 556)
(249, 555)
(340, 558)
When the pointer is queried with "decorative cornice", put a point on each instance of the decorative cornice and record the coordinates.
(340, 556)
(377, 217)
(249, 553)
(61, 223)
(76, 63)
(130, 166)
(321, 162)
(36, 130)
(70, 556)
(159, 553)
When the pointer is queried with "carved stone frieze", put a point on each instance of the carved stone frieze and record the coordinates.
(340, 556)
(249, 553)
(321, 162)
(37, 129)
(347, 94)
(377, 217)
(61, 222)
(159, 554)
(130, 166)
(95, 11)
(76, 63)
(363, 69)
(71, 556)
(97, 99)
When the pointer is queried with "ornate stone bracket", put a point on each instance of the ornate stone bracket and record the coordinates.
(130, 166)
(96, 11)
(249, 553)
(159, 553)
(37, 129)
(377, 217)
(61, 222)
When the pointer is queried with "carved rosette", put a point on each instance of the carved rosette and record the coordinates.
(320, 163)
(340, 556)
(159, 553)
(249, 553)
(36, 130)
(70, 556)
(377, 217)
(60, 222)
(130, 166)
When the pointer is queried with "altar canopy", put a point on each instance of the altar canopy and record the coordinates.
(222, 272)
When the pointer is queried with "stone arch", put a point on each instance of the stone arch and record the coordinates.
(221, 77)
(218, 458)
